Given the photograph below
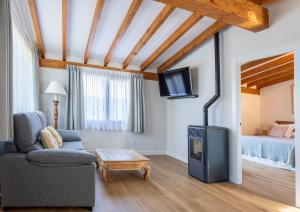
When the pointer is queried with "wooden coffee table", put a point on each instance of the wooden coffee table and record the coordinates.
(121, 159)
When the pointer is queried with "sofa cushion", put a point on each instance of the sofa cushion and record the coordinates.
(48, 140)
(59, 157)
(43, 118)
(10, 147)
(69, 135)
(56, 135)
(72, 145)
(27, 128)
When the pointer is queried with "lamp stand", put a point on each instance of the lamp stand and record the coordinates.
(55, 113)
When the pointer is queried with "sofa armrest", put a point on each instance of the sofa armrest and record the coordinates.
(69, 135)
(59, 157)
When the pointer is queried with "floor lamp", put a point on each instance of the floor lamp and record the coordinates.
(56, 89)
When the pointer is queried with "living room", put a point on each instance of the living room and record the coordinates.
(99, 70)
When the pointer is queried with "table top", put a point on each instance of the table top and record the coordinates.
(120, 155)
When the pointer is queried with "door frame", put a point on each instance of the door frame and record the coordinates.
(236, 105)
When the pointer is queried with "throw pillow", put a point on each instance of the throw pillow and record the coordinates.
(278, 131)
(289, 131)
(56, 135)
(293, 134)
(48, 139)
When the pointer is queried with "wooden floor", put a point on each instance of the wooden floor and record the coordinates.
(171, 189)
(272, 183)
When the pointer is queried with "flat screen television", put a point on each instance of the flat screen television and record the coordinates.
(175, 83)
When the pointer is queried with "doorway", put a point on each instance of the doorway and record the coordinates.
(245, 176)
(268, 127)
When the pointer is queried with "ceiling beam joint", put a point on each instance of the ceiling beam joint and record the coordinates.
(242, 13)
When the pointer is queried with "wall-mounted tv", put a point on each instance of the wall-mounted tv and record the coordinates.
(175, 83)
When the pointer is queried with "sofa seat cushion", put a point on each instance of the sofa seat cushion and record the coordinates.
(72, 145)
(59, 157)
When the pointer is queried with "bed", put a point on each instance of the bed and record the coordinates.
(273, 151)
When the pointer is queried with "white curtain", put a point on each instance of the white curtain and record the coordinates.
(25, 59)
(106, 97)
(24, 74)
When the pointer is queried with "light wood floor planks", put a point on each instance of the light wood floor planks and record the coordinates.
(171, 189)
(276, 184)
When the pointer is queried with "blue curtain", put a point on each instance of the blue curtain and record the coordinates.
(136, 121)
(6, 127)
(74, 100)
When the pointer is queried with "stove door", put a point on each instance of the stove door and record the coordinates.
(196, 152)
(196, 148)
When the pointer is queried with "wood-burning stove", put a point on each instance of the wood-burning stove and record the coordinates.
(208, 153)
(208, 145)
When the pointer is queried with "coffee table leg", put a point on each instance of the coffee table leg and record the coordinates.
(147, 172)
(104, 174)
(97, 164)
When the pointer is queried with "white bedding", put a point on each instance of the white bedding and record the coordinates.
(278, 152)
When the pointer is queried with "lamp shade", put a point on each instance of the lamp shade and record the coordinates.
(55, 88)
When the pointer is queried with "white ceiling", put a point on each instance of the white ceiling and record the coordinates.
(80, 15)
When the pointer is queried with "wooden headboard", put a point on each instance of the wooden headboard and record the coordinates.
(284, 122)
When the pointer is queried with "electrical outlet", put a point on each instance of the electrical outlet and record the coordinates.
(131, 142)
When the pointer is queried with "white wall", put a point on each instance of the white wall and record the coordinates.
(251, 113)
(260, 111)
(151, 142)
(236, 43)
(276, 103)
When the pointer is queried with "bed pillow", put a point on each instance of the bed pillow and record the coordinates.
(278, 131)
(293, 134)
(290, 130)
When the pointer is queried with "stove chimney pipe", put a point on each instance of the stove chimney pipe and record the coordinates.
(217, 80)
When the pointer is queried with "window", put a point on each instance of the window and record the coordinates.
(23, 73)
(106, 97)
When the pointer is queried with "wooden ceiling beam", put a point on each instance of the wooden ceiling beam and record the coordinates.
(242, 13)
(263, 2)
(269, 65)
(180, 31)
(64, 28)
(250, 91)
(95, 22)
(270, 78)
(59, 64)
(158, 21)
(255, 63)
(36, 25)
(270, 72)
(279, 80)
(123, 28)
(216, 27)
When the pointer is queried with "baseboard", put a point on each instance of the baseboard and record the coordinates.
(151, 152)
(141, 152)
(178, 157)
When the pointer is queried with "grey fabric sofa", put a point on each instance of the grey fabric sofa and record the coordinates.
(31, 176)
